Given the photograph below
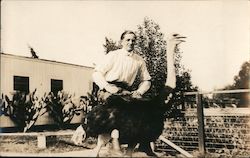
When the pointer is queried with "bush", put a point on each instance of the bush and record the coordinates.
(23, 109)
(63, 106)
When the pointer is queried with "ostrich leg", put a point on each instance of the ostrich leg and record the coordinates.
(102, 140)
(145, 147)
(115, 142)
(130, 149)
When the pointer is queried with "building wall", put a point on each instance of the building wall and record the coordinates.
(76, 79)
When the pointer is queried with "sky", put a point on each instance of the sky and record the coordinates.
(217, 44)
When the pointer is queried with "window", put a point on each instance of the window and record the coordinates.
(21, 84)
(56, 85)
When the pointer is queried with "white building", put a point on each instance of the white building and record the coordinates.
(27, 74)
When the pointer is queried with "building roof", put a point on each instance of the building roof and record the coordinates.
(43, 60)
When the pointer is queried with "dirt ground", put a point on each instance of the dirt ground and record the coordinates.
(28, 144)
(55, 145)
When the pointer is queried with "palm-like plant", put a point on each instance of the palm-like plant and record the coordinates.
(23, 109)
(62, 107)
(4, 107)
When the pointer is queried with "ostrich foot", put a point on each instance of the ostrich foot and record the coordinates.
(147, 149)
(116, 153)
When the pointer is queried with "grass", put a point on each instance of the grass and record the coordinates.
(61, 144)
(28, 144)
(55, 145)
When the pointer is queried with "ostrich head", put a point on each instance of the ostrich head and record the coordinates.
(175, 39)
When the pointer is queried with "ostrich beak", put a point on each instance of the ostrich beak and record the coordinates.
(179, 37)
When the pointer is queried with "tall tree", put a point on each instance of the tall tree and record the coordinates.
(152, 47)
(241, 81)
(150, 44)
(110, 45)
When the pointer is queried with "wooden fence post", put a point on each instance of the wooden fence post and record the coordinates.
(201, 131)
(41, 141)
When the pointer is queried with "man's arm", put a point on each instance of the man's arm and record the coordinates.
(145, 81)
(144, 87)
(100, 80)
(101, 69)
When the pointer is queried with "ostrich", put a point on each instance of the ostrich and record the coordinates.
(131, 121)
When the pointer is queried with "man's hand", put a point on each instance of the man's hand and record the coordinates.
(111, 88)
(136, 95)
(125, 92)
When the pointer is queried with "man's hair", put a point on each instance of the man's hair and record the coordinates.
(127, 32)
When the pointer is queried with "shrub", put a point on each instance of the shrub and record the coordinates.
(23, 109)
(63, 106)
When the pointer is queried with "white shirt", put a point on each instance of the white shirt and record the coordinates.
(122, 66)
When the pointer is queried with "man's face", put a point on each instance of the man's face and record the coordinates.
(128, 42)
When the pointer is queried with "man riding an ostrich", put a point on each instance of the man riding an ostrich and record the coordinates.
(126, 115)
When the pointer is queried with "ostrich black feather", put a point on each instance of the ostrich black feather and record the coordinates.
(137, 120)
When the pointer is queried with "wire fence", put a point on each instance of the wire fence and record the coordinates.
(214, 129)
